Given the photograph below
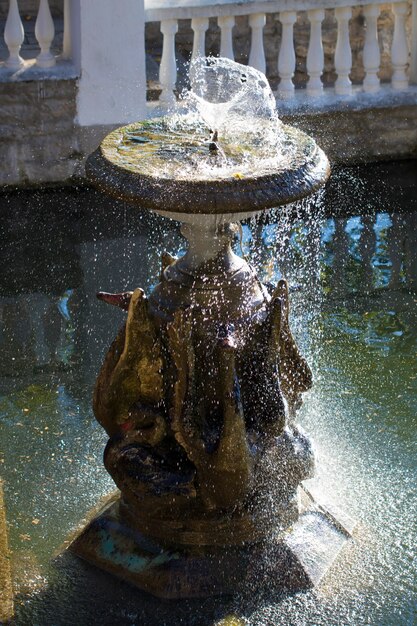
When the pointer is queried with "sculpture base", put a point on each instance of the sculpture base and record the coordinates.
(295, 560)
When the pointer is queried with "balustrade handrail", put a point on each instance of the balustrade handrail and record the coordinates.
(403, 60)
(156, 10)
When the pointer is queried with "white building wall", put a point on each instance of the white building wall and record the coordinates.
(110, 38)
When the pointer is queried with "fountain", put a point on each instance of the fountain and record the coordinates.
(199, 391)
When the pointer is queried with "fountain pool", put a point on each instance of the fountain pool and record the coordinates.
(358, 274)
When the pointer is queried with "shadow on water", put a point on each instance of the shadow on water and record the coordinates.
(94, 597)
(351, 260)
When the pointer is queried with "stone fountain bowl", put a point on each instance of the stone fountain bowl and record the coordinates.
(149, 166)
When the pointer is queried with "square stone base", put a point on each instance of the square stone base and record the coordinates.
(296, 560)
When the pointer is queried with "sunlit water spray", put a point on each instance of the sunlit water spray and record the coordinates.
(354, 409)
(226, 125)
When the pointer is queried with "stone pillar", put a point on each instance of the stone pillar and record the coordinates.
(257, 22)
(343, 52)
(44, 33)
(226, 24)
(199, 26)
(14, 36)
(371, 53)
(315, 55)
(108, 47)
(168, 66)
(399, 49)
(286, 56)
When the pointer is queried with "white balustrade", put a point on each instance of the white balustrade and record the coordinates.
(199, 26)
(168, 67)
(343, 53)
(226, 24)
(403, 63)
(45, 32)
(286, 57)
(371, 52)
(14, 36)
(399, 51)
(257, 22)
(315, 55)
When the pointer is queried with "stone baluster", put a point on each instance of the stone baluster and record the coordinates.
(67, 43)
(168, 67)
(199, 26)
(371, 53)
(399, 50)
(286, 57)
(44, 33)
(226, 24)
(13, 36)
(343, 54)
(315, 55)
(257, 22)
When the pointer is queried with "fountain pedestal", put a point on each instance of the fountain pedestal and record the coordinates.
(293, 561)
(198, 394)
(199, 390)
(194, 394)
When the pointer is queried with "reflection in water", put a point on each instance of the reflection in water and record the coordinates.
(353, 283)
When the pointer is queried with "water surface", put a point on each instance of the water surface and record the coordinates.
(351, 260)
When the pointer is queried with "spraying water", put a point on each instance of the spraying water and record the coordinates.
(225, 126)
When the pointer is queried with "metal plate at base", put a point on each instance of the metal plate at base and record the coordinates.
(297, 560)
